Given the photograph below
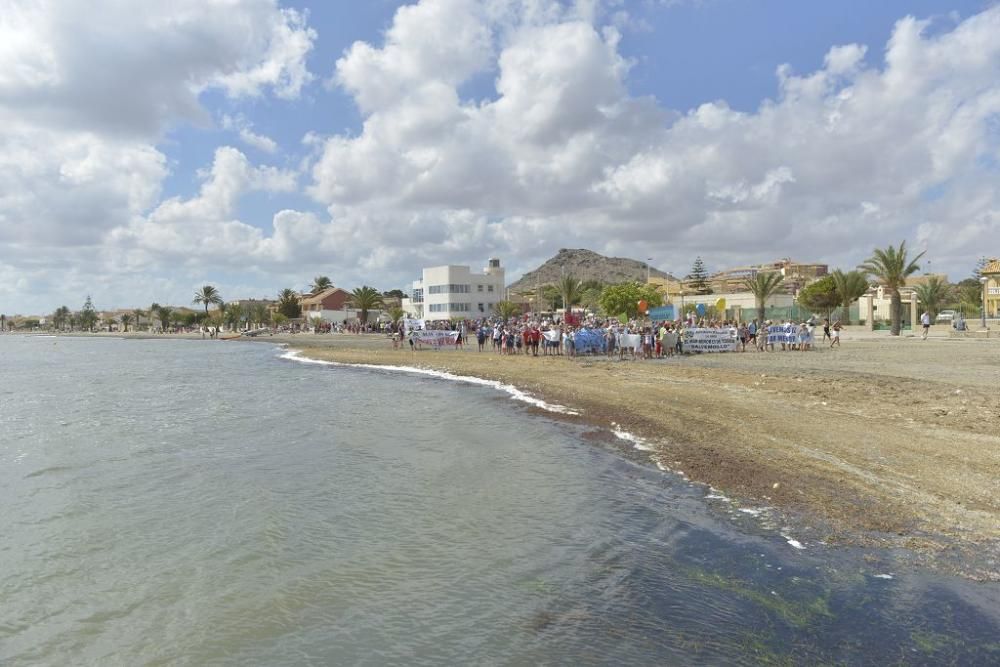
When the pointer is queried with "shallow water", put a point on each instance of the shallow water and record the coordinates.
(187, 502)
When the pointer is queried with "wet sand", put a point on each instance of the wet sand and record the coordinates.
(888, 442)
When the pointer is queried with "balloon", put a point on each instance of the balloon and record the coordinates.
(643, 306)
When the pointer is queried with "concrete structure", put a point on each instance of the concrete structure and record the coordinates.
(991, 288)
(455, 292)
(796, 274)
(877, 303)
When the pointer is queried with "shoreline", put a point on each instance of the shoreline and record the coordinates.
(888, 443)
(889, 477)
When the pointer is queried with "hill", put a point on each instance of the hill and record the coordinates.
(585, 265)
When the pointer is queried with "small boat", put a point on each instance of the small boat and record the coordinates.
(231, 337)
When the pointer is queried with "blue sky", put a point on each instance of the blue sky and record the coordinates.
(452, 130)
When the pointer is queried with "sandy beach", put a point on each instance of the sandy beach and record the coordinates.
(889, 442)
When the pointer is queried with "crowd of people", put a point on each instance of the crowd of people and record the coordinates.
(635, 339)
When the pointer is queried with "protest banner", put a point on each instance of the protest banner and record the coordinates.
(412, 325)
(781, 334)
(710, 340)
(435, 338)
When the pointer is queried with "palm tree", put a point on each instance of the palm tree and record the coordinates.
(320, 283)
(396, 313)
(3, 322)
(763, 285)
(138, 315)
(933, 294)
(507, 310)
(850, 286)
(364, 299)
(234, 316)
(125, 319)
(163, 314)
(288, 303)
(207, 295)
(259, 314)
(891, 267)
(570, 289)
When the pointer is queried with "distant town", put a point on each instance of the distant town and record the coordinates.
(571, 279)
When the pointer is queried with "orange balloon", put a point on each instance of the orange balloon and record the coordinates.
(642, 306)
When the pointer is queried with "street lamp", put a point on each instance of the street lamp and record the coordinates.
(648, 260)
(984, 280)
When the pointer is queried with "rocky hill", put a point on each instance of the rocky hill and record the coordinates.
(585, 265)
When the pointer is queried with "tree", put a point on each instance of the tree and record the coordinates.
(321, 283)
(698, 278)
(551, 297)
(234, 316)
(288, 304)
(969, 294)
(207, 295)
(933, 294)
(163, 314)
(60, 318)
(259, 314)
(891, 267)
(396, 313)
(138, 314)
(851, 286)
(624, 298)
(820, 295)
(88, 316)
(366, 298)
(279, 319)
(570, 290)
(762, 286)
(126, 319)
(591, 298)
(507, 309)
(394, 294)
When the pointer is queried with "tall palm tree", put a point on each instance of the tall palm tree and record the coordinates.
(207, 295)
(891, 267)
(288, 303)
(366, 298)
(126, 319)
(570, 289)
(933, 294)
(138, 315)
(850, 286)
(163, 314)
(320, 283)
(507, 310)
(763, 285)
(3, 322)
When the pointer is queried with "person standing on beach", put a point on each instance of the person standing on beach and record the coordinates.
(836, 335)
(925, 321)
(826, 330)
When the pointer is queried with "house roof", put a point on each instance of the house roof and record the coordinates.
(318, 298)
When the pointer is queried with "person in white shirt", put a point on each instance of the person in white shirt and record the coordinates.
(925, 320)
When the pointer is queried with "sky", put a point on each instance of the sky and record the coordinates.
(147, 149)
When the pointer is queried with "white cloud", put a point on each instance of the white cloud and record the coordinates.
(564, 155)
(244, 129)
(861, 152)
(88, 89)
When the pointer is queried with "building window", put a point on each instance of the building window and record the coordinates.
(450, 307)
(481, 309)
(449, 289)
(418, 296)
(489, 288)
(479, 287)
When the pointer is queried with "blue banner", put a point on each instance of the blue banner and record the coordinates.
(662, 313)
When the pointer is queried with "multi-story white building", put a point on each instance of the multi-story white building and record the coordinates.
(455, 292)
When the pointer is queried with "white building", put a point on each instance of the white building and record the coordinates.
(455, 292)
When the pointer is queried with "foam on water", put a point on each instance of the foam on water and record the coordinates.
(514, 392)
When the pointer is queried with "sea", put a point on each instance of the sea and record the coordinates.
(177, 502)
